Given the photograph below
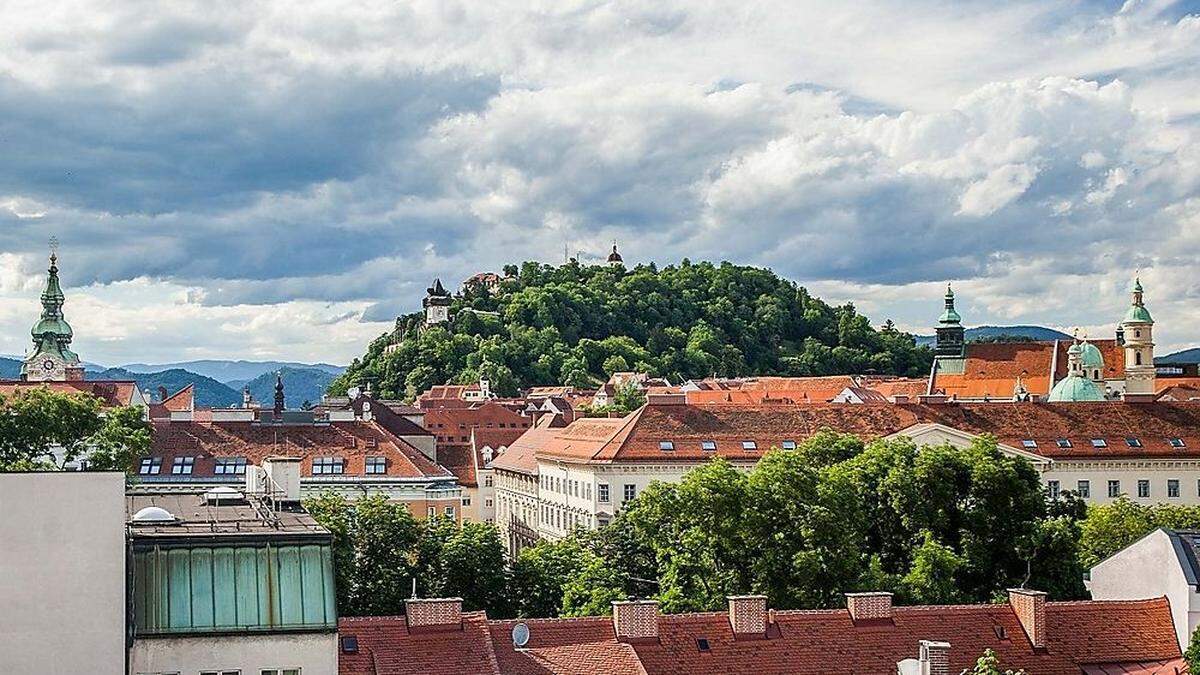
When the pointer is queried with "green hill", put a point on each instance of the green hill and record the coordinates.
(209, 392)
(575, 324)
(300, 385)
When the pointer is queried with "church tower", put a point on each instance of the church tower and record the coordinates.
(437, 304)
(951, 339)
(614, 258)
(51, 358)
(1138, 330)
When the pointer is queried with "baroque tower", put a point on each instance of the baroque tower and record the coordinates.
(51, 358)
(950, 333)
(1138, 329)
(437, 304)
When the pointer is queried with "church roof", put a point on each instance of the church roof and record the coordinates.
(1075, 388)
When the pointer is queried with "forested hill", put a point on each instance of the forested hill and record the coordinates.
(575, 324)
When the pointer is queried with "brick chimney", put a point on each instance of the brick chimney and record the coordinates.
(748, 615)
(635, 619)
(869, 606)
(433, 612)
(935, 658)
(1030, 608)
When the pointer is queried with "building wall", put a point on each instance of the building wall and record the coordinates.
(1129, 472)
(62, 591)
(517, 510)
(313, 653)
(1149, 568)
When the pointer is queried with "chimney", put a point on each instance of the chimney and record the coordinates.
(284, 472)
(932, 399)
(635, 619)
(1030, 608)
(434, 612)
(748, 615)
(935, 658)
(900, 399)
(869, 606)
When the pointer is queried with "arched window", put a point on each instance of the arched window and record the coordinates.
(1137, 357)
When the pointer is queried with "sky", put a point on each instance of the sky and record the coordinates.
(280, 180)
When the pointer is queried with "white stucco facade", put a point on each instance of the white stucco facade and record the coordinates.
(310, 653)
(1150, 568)
(62, 590)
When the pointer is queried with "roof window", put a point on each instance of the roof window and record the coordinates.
(1029, 443)
(788, 445)
(702, 644)
(150, 466)
(666, 446)
(708, 445)
(1133, 442)
(1063, 443)
(183, 466)
(1177, 443)
(749, 445)
(1099, 443)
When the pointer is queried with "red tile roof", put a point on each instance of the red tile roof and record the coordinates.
(991, 368)
(521, 456)
(355, 441)
(823, 642)
(111, 393)
(641, 435)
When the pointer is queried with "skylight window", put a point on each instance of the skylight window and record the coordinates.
(182, 466)
(230, 466)
(1177, 443)
(708, 445)
(1133, 442)
(666, 445)
(1063, 442)
(1099, 443)
(1029, 443)
(788, 445)
(150, 466)
(749, 445)
(328, 465)
(376, 465)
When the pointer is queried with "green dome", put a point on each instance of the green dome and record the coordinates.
(1138, 314)
(950, 316)
(55, 326)
(1074, 388)
(1091, 356)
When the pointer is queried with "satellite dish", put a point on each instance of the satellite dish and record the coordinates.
(520, 635)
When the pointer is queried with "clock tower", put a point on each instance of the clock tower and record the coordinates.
(51, 358)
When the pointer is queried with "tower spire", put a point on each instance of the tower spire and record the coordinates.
(279, 398)
(951, 337)
(51, 357)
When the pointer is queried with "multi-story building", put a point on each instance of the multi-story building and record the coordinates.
(467, 439)
(869, 636)
(231, 581)
(518, 506)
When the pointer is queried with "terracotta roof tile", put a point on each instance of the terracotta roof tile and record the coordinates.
(110, 392)
(521, 455)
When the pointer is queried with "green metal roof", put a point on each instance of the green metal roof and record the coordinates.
(1091, 356)
(1138, 314)
(1074, 388)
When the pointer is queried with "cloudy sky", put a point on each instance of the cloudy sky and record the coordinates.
(265, 180)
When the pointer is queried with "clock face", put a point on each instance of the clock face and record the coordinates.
(47, 365)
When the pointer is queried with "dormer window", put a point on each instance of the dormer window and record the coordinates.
(150, 466)
(749, 445)
(182, 466)
(1029, 444)
(1133, 442)
(1177, 443)
(1099, 443)
(1064, 443)
(376, 465)
(788, 445)
(666, 446)
(328, 465)
(708, 446)
(229, 466)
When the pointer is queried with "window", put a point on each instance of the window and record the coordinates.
(487, 481)
(450, 511)
(431, 512)
(230, 466)
(466, 501)
(1114, 489)
(589, 491)
(602, 493)
(328, 465)
(1053, 488)
(1029, 443)
(1063, 443)
(376, 465)
(666, 446)
(1084, 488)
(280, 671)
(350, 644)
(1099, 443)
(1177, 443)
(1143, 488)
(702, 644)
(749, 445)
(150, 466)
(1133, 442)
(183, 466)
(630, 491)
(220, 672)
(708, 446)
(1173, 488)
(788, 445)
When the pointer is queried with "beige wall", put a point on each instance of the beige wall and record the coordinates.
(1149, 568)
(313, 653)
(62, 586)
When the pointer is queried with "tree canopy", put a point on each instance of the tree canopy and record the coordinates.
(577, 324)
(43, 429)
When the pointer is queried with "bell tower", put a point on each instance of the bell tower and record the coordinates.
(51, 358)
(437, 304)
(1138, 329)
(950, 339)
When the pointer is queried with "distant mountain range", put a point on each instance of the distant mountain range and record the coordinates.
(209, 392)
(992, 332)
(1186, 356)
(230, 372)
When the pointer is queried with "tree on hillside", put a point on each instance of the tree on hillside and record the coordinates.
(37, 424)
(577, 324)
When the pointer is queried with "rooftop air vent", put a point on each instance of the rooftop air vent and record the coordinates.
(223, 495)
(153, 514)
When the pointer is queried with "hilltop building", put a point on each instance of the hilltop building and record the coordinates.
(614, 258)
(1118, 368)
(436, 304)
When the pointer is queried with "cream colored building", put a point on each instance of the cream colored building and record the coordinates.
(62, 590)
